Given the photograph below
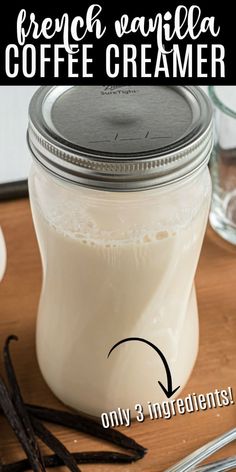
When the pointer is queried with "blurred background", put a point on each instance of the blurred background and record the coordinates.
(14, 156)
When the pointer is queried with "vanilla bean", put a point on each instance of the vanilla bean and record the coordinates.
(15, 422)
(25, 422)
(55, 445)
(85, 425)
(100, 457)
(19, 403)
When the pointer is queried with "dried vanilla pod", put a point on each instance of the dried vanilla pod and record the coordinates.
(26, 422)
(18, 402)
(17, 426)
(55, 445)
(97, 457)
(85, 425)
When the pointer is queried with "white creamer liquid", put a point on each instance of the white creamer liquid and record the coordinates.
(98, 291)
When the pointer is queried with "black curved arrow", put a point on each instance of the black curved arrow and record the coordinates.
(169, 391)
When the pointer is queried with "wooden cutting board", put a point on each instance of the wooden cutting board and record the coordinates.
(167, 440)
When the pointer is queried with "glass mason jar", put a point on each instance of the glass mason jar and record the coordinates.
(120, 193)
(3, 255)
(223, 162)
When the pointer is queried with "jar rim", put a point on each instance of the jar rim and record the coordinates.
(216, 100)
(121, 171)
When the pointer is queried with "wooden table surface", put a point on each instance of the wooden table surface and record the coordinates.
(167, 440)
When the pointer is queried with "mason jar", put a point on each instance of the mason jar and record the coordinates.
(120, 193)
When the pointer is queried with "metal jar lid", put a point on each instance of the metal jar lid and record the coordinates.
(120, 138)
